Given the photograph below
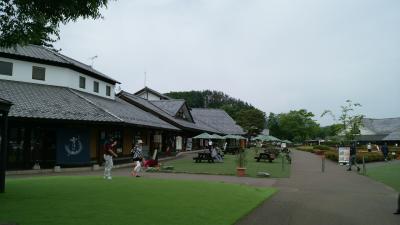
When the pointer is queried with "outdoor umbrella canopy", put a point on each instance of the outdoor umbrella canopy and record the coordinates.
(216, 136)
(287, 141)
(266, 138)
(240, 137)
(236, 137)
(230, 136)
(204, 136)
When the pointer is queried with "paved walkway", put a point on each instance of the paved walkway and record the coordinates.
(337, 197)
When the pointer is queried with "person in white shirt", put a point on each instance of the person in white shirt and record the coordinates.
(283, 145)
(210, 145)
(369, 147)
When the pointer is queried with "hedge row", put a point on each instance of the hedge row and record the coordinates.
(321, 147)
(334, 156)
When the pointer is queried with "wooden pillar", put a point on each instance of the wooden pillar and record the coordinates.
(3, 151)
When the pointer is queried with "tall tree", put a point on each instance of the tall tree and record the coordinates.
(350, 120)
(296, 125)
(252, 120)
(37, 21)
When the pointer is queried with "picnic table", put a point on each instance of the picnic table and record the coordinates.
(265, 156)
(203, 156)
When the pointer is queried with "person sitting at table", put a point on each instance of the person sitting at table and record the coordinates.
(215, 155)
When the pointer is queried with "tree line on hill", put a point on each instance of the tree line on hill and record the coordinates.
(295, 125)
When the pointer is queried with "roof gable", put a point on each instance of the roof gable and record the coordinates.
(150, 107)
(170, 106)
(217, 119)
(40, 54)
(149, 90)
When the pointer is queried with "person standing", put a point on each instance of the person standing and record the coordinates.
(369, 147)
(385, 151)
(210, 145)
(353, 157)
(137, 159)
(108, 157)
(283, 146)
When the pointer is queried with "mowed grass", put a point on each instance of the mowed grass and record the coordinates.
(388, 174)
(125, 200)
(228, 167)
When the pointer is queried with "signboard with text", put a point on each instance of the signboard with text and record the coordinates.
(344, 154)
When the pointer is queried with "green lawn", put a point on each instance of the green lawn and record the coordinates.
(388, 174)
(125, 200)
(228, 167)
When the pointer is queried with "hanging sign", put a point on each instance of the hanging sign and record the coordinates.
(73, 146)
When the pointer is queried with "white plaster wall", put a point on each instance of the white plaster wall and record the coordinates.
(151, 96)
(57, 76)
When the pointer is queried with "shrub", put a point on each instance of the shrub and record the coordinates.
(306, 149)
(331, 155)
(321, 147)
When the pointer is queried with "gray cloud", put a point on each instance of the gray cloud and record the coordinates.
(277, 55)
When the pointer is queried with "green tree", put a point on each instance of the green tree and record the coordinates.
(350, 120)
(252, 120)
(37, 21)
(296, 125)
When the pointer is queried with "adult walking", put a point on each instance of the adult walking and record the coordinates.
(369, 147)
(385, 151)
(108, 157)
(137, 153)
(353, 157)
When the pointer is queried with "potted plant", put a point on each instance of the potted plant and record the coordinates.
(241, 163)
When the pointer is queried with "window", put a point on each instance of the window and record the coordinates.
(96, 86)
(82, 82)
(6, 68)
(108, 90)
(38, 73)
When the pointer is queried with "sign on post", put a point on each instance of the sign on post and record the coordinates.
(344, 155)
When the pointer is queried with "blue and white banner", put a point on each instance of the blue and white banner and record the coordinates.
(73, 146)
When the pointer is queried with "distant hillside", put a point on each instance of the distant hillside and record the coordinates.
(246, 115)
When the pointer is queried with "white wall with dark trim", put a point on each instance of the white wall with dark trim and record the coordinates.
(56, 76)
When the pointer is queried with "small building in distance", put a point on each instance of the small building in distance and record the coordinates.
(380, 131)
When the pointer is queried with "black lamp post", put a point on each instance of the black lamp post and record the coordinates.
(4, 109)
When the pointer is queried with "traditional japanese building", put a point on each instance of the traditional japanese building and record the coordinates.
(380, 130)
(63, 111)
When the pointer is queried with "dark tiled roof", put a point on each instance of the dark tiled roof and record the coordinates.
(127, 112)
(170, 106)
(150, 107)
(394, 136)
(376, 137)
(49, 102)
(154, 92)
(217, 119)
(382, 126)
(38, 101)
(46, 56)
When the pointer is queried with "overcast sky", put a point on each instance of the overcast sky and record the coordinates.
(277, 55)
